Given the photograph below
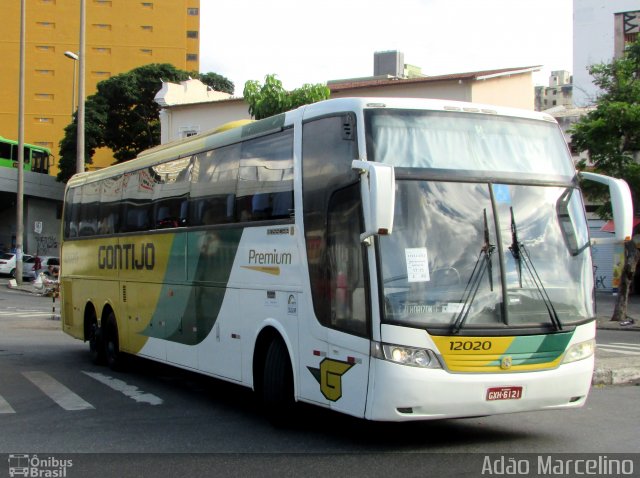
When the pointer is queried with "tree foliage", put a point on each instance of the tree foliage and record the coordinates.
(123, 116)
(271, 98)
(610, 133)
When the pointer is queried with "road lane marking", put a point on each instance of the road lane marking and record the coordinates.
(5, 407)
(57, 392)
(130, 391)
(619, 350)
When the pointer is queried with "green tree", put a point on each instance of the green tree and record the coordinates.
(610, 133)
(215, 81)
(123, 116)
(271, 98)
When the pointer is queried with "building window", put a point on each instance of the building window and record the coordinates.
(103, 3)
(102, 26)
(43, 120)
(101, 74)
(46, 48)
(50, 25)
(192, 57)
(192, 11)
(192, 33)
(44, 96)
(146, 51)
(147, 28)
(102, 50)
(147, 5)
(45, 72)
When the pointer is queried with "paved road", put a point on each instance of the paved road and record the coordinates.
(55, 402)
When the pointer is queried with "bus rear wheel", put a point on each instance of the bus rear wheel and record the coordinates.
(114, 357)
(277, 385)
(96, 344)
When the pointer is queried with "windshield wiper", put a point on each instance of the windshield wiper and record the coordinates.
(521, 256)
(482, 265)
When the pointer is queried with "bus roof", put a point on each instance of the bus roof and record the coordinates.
(32, 146)
(214, 138)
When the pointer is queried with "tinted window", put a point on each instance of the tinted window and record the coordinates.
(328, 148)
(213, 188)
(265, 178)
(171, 193)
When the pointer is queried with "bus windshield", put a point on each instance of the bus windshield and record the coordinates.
(486, 255)
(473, 253)
(467, 141)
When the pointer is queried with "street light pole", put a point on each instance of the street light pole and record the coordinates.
(75, 58)
(80, 138)
(20, 185)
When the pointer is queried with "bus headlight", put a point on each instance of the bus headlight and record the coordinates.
(411, 356)
(580, 351)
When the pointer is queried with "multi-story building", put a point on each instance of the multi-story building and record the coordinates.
(558, 93)
(601, 29)
(120, 35)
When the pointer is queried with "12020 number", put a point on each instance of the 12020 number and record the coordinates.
(470, 345)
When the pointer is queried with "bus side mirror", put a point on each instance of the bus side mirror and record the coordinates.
(620, 202)
(378, 187)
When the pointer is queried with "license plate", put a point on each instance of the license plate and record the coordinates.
(504, 393)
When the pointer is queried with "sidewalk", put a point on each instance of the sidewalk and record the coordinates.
(608, 370)
(623, 369)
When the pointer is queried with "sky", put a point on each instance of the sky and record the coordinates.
(313, 42)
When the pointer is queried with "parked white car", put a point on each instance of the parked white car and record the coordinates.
(8, 263)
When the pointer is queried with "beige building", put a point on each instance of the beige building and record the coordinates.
(195, 111)
(120, 35)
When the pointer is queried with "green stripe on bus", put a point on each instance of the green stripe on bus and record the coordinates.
(186, 312)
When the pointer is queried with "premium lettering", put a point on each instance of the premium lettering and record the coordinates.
(127, 256)
(269, 258)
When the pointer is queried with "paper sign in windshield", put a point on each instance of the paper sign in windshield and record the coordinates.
(417, 264)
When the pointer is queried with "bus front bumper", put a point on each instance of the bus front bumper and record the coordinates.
(411, 393)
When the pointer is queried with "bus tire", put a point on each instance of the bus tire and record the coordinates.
(277, 385)
(97, 350)
(113, 355)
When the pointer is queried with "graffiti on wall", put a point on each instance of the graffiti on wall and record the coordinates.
(46, 244)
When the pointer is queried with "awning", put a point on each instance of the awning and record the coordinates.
(609, 226)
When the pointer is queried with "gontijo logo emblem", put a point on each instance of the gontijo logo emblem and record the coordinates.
(329, 375)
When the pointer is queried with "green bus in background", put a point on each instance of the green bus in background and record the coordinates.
(36, 158)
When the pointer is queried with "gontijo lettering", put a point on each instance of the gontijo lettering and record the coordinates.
(127, 256)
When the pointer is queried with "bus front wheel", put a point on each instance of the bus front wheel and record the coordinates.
(277, 385)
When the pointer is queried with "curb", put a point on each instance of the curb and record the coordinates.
(620, 376)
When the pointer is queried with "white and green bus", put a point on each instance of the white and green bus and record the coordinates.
(392, 259)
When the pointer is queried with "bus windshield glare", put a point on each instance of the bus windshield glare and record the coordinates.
(474, 254)
(467, 141)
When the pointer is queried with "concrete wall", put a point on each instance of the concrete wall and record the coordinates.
(200, 117)
(516, 91)
(445, 90)
(593, 41)
(42, 200)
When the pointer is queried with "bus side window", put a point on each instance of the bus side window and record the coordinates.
(265, 178)
(346, 259)
(72, 212)
(328, 149)
(213, 186)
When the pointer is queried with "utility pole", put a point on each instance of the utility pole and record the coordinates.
(20, 186)
(81, 85)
